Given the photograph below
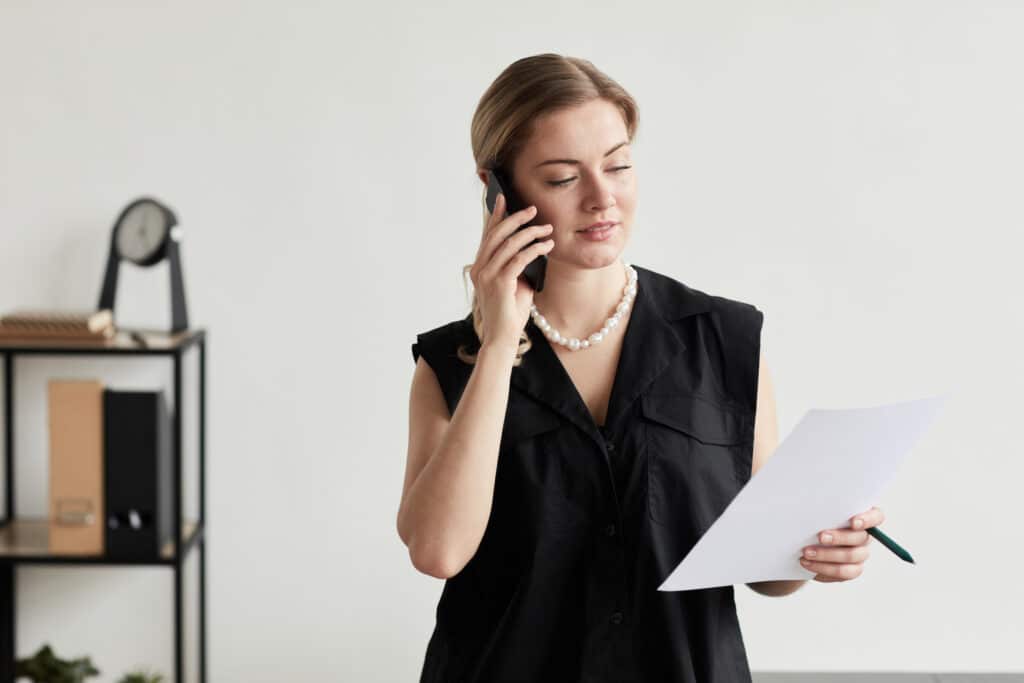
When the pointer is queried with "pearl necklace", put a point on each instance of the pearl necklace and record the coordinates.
(574, 344)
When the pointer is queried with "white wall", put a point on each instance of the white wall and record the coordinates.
(853, 169)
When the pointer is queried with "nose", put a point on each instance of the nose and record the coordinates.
(600, 197)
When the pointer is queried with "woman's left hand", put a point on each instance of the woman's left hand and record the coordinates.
(842, 552)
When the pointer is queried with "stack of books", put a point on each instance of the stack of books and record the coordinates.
(64, 325)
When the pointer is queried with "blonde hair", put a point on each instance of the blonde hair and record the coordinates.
(503, 122)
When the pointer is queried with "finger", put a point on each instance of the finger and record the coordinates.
(834, 537)
(514, 244)
(843, 555)
(868, 519)
(493, 218)
(498, 214)
(518, 264)
(843, 572)
(502, 230)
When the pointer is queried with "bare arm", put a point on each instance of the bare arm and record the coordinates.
(452, 462)
(766, 439)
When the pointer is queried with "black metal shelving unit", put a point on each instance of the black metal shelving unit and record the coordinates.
(23, 541)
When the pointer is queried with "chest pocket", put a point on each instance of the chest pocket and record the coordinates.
(534, 465)
(698, 457)
(524, 420)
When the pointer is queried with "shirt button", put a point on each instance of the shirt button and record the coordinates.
(617, 618)
(609, 530)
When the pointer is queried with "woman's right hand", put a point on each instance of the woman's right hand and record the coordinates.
(505, 298)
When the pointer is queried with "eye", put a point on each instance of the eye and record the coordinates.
(560, 183)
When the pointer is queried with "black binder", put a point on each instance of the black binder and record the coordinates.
(137, 473)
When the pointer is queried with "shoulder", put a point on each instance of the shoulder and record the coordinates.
(739, 317)
(439, 347)
(676, 299)
(441, 342)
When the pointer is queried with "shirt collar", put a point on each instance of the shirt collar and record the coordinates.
(650, 345)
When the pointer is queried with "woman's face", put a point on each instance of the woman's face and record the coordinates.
(577, 169)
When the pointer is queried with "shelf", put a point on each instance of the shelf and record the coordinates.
(157, 343)
(28, 541)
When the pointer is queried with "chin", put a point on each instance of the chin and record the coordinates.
(595, 260)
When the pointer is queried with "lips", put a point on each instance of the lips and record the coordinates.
(599, 234)
(597, 226)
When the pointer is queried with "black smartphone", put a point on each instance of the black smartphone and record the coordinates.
(498, 181)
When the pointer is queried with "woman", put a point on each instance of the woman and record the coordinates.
(568, 447)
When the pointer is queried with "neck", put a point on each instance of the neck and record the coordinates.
(577, 301)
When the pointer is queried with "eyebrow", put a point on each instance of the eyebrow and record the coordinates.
(575, 161)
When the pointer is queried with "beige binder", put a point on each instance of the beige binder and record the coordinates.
(76, 466)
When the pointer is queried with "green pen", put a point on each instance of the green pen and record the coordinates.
(891, 544)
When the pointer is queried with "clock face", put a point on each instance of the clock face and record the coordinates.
(142, 231)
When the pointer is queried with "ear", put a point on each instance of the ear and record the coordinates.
(482, 174)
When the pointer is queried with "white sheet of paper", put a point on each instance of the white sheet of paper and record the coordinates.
(834, 464)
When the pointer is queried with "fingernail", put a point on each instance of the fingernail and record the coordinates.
(858, 523)
(811, 553)
(826, 538)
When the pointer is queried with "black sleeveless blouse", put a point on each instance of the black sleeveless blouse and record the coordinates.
(587, 521)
